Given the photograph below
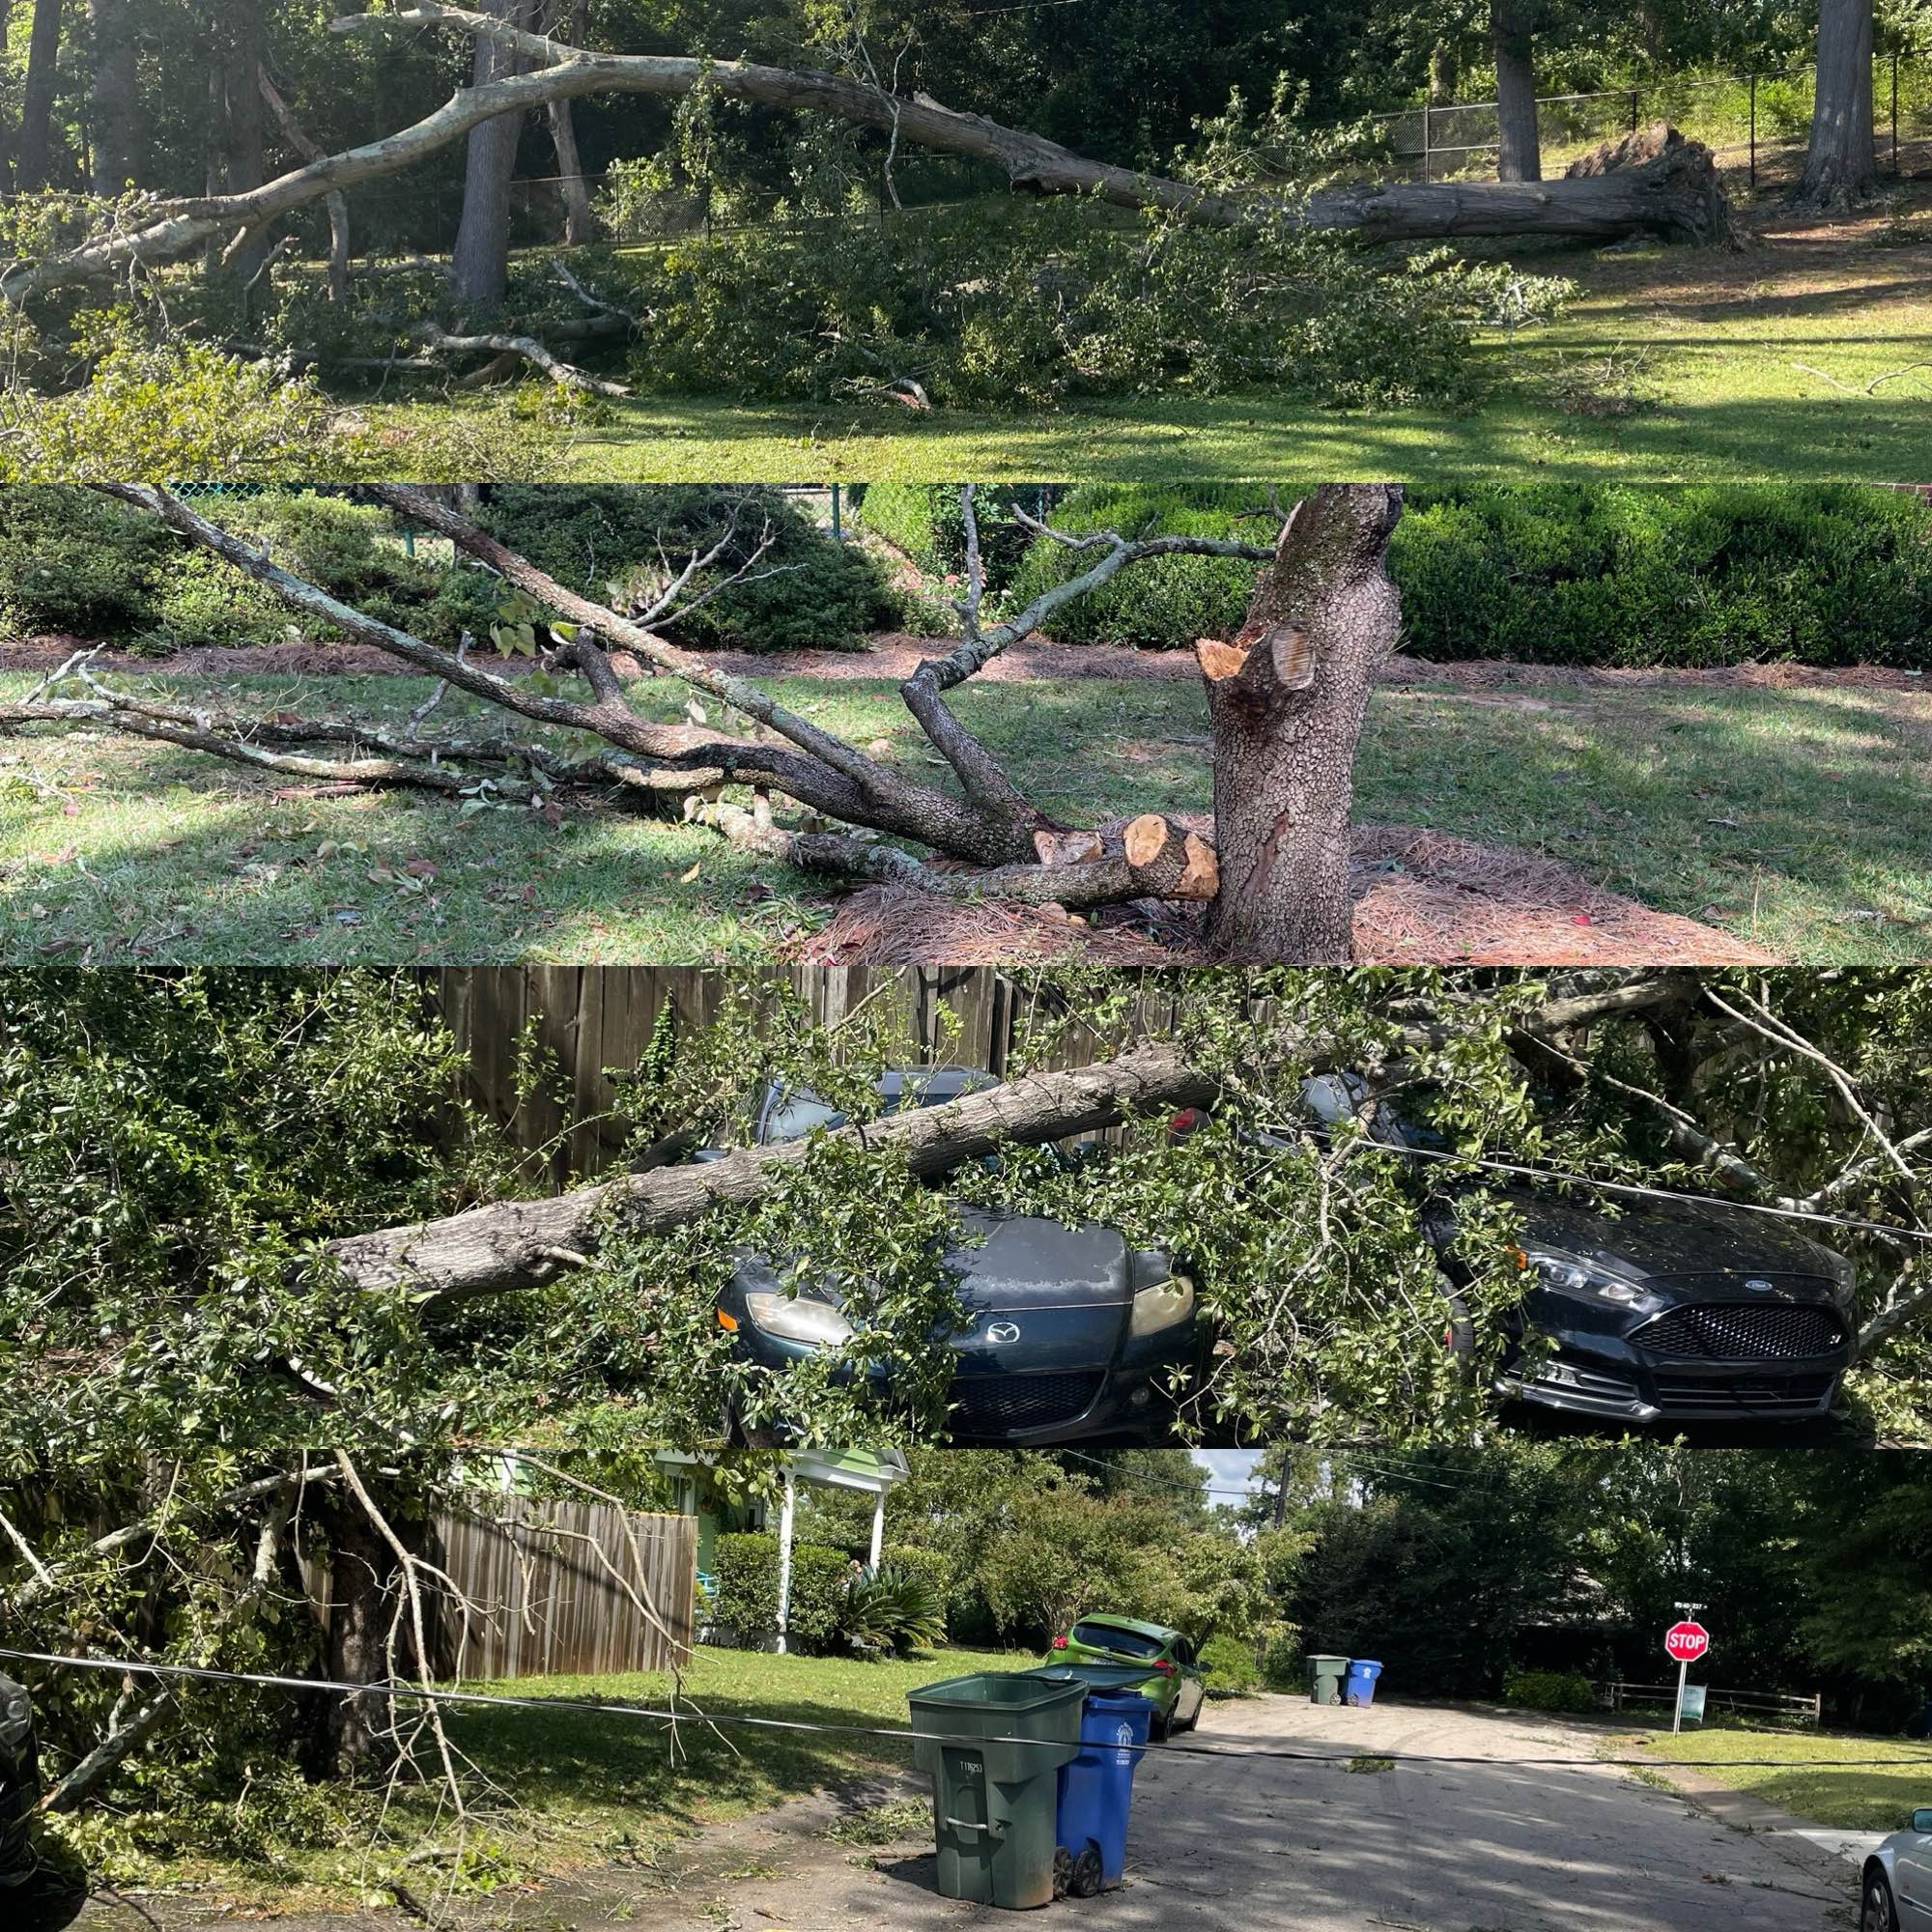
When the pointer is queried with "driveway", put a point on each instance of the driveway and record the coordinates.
(1251, 1842)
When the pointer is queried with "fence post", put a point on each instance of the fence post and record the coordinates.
(1633, 110)
(1753, 130)
(1427, 110)
(1894, 110)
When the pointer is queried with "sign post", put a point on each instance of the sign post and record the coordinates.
(1687, 1641)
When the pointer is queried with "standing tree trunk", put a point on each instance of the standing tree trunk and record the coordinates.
(244, 152)
(351, 1736)
(579, 225)
(481, 261)
(1842, 163)
(1445, 69)
(337, 203)
(1519, 155)
(112, 100)
(1284, 703)
(36, 99)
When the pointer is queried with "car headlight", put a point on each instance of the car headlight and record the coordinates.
(1844, 1279)
(1567, 1275)
(799, 1318)
(1161, 1306)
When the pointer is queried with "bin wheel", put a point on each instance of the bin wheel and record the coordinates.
(1086, 1880)
(1063, 1871)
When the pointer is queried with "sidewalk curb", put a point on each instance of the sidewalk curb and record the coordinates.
(1779, 1830)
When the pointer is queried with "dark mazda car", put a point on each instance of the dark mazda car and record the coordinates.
(1070, 1335)
(1657, 1311)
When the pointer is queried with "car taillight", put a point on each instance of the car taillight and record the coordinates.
(1164, 1666)
(1060, 1643)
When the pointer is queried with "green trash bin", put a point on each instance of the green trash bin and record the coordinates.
(1325, 1679)
(993, 1804)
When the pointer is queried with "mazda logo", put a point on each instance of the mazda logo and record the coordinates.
(1003, 1331)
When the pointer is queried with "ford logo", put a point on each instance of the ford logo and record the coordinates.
(1762, 1286)
(1003, 1332)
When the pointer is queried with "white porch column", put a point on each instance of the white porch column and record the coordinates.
(878, 1527)
(785, 1558)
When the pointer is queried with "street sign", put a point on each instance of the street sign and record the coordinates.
(1686, 1642)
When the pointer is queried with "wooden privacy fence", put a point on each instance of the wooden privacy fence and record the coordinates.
(586, 1018)
(545, 1599)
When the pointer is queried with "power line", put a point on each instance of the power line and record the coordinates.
(900, 1734)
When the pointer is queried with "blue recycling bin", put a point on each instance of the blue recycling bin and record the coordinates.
(1097, 1788)
(1362, 1674)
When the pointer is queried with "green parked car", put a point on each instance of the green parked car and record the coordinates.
(1120, 1654)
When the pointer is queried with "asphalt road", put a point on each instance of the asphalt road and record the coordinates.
(1249, 1842)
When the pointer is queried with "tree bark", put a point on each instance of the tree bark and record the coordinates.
(1286, 701)
(1445, 68)
(1841, 162)
(337, 203)
(1519, 155)
(580, 224)
(482, 260)
(37, 101)
(515, 1245)
(244, 152)
(1605, 208)
(352, 1732)
(113, 102)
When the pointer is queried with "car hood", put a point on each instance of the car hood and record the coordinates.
(1659, 1240)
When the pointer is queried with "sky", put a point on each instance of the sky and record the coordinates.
(1229, 1469)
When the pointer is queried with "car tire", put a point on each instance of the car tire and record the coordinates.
(1159, 1728)
(1876, 1911)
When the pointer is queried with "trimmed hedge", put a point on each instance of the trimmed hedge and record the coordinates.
(1563, 574)
(75, 563)
(748, 1590)
(926, 523)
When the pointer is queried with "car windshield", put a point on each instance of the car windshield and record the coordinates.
(1109, 1636)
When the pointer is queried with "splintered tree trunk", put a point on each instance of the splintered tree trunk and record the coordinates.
(481, 261)
(1520, 156)
(36, 99)
(112, 102)
(1842, 163)
(1286, 701)
(1444, 71)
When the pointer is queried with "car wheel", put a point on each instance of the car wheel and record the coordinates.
(1160, 1727)
(1876, 1913)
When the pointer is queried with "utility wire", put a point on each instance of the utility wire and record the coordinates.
(203, 1673)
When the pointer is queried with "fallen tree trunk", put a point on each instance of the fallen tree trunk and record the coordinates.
(1639, 200)
(515, 1244)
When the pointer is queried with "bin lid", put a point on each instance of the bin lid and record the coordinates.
(1004, 1690)
(1096, 1677)
(1313, 1659)
(1365, 1663)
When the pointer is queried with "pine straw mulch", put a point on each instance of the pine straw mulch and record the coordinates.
(1421, 898)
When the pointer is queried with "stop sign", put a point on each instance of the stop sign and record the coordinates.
(1686, 1642)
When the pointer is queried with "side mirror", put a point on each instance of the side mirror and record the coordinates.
(1921, 1820)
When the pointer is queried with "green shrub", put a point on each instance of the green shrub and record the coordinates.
(1571, 574)
(1550, 1691)
(75, 563)
(1230, 1667)
(1167, 601)
(605, 540)
(748, 1590)
(1282, 1665)
(894, 1610)
(933, 1565)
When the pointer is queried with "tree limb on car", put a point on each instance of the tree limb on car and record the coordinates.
(1670, 195)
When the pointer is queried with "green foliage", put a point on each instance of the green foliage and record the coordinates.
(927, 523)
(1283, 1666)
(894, 1610)
(747, 1601)
(1567, 1691)
(1614, 574)
(71, 561)
(613, 541)
(1231, 1666)
(996, 306)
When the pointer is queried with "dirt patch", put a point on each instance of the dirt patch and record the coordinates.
(1421, 898)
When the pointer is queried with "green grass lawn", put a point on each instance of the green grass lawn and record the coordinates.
(1783, 816)
(1852, 1799)
(558, 1793)
(1741, 366)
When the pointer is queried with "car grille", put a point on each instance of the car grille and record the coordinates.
(1789, 1395)
(1741, 1332)
(992, 1404)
